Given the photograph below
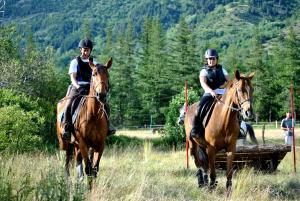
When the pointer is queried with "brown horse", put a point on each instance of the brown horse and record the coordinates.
(91, 125)
(222, 130)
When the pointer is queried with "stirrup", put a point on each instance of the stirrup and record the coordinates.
(111, 130)
(66, 135)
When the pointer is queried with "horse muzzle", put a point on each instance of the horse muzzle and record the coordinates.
(101, 96)
(247, 114)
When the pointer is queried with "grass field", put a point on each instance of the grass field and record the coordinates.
(140, 173)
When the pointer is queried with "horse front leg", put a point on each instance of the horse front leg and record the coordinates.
(229, 172)
(96, 159)
(79, 165)
(201, 162)
(211, 152)
(85, 155)
(69, 154)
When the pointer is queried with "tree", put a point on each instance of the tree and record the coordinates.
(123, 92)
(291, 67)
(86, 29)
(152, 73)
(264, 106)
(184, 57)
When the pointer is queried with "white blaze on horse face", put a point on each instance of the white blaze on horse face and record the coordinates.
(100, 81)
(245, 102)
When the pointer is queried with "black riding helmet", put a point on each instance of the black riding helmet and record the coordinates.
(86, 43)
(211, 53)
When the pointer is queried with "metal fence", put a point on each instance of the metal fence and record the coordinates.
(268, 125)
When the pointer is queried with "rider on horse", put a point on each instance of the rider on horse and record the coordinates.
(211, 77)
(80, 74)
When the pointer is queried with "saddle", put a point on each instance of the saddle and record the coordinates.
(75, 107)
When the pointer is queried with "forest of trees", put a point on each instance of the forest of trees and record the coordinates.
(153, 57)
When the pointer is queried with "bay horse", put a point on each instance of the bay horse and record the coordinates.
(222, 129)
(91, 124)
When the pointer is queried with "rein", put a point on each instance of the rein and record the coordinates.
(101, 103)
(239, 103)
(228, 106)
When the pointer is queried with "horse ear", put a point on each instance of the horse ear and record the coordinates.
(251, 75)
(237, 75)
(109, 63)
(92, 65)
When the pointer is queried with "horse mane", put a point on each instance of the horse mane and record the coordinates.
(102, 68)
(229, 83)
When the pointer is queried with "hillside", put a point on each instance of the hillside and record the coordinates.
(158, 45)
(59, 23)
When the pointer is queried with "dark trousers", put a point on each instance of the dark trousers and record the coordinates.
(203, 108)
(72, 95)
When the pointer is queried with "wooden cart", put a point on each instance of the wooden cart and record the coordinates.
(260, 157)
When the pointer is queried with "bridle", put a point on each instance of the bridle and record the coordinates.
(239, 103)
(99, 96)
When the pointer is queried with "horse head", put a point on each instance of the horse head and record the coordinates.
(243, 97)
(99, 81)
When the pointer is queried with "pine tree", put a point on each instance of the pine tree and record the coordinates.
(184, 57)
(122, 78)
(257, 62)
(292, 64)
(153, 80)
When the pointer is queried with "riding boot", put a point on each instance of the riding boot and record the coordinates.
(111, 129)
(67, 120)
(197, 131)
(67, 124)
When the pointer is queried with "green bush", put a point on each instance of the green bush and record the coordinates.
(19, 129)
(21, 122)
(9, 97)
(174, 134)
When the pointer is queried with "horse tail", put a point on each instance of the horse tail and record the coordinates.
(251, 133)
(203, 157)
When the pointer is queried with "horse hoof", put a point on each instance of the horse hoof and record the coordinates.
(213, 185)
(80, 179)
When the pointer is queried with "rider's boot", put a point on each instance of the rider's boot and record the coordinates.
(67, 123)
(111, 129)
(197, 131)
(197, 135)
(66, 132)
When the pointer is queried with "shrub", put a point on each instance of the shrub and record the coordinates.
(174, 134)
(21, 122)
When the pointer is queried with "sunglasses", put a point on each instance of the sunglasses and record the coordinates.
(212, 58)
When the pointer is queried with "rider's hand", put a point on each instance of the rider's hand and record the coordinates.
(213, 93)
(82, 90)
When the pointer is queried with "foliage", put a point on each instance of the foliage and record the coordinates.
(156, 47)
(21, 123)
(138, 174)
(173, 133)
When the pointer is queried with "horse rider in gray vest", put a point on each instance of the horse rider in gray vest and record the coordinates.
(211, 77)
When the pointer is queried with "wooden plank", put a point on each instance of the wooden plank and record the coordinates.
(261, 157)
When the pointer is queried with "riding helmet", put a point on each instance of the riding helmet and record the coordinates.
(211, 53)
(86, 43)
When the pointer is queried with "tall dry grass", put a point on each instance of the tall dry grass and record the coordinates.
(138, 173)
